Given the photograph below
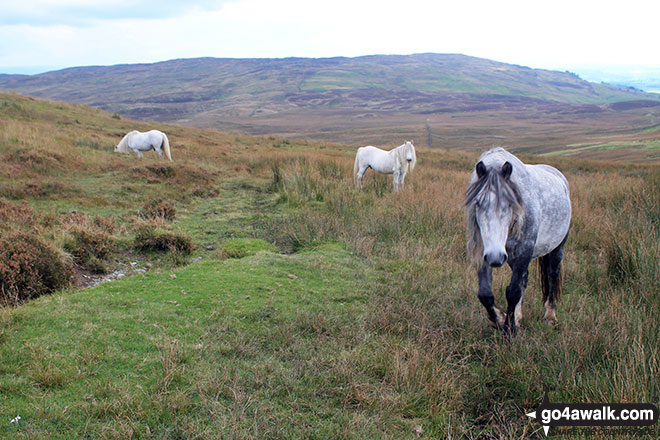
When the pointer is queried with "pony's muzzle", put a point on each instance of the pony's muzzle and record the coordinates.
(495, 259)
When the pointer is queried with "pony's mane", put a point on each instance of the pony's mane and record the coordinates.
(478, 193)
(400, 154)
(123, 144)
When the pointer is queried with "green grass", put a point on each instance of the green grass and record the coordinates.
(216, 348)
(630, 145)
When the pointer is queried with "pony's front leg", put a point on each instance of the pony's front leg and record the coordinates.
(486, 297)
(514, 295)
(401, 180)
(395, 180)
(139, 154)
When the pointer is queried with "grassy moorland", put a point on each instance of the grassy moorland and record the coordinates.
(270, 299)
(440, 100)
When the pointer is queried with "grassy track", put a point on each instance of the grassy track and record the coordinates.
(215, 348)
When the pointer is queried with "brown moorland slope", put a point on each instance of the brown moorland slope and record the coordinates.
(449, 101)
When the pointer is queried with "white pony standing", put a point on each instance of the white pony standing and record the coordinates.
(396, 162)
(138, 142)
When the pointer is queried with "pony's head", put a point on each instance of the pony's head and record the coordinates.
(408, 154)
(122, 146)
(494, 213)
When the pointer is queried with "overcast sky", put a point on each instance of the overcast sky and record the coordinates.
(40, 35)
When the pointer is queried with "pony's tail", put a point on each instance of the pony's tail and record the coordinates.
(544, 278)
(356, 166)
(166, 146)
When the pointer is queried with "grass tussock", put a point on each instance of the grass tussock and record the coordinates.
(149, 237)
(243, 247)
(159, 209)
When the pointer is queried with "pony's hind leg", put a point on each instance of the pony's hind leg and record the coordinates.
(514, 294)
(360, 175)
(495, 316)
(550, 273)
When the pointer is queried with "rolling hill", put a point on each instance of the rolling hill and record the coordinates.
(439, 100)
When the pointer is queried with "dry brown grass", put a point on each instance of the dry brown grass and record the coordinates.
(436, 356)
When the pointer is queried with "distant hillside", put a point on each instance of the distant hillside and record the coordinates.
(365, 99)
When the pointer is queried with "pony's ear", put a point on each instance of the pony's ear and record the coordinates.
(507, 169)
(481, 170)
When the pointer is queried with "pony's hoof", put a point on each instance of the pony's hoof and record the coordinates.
(508, 332)
(550, 316)
(500, 319)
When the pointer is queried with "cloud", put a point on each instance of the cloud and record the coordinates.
(64, 33)
(81, 12)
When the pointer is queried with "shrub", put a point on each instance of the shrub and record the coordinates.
(203, 192)
(35, 159)
(104, 224)
(29, 268)
(96, 265)
(89, 240)
(85, 244)
(14, 214)
(36, 189)
(163, 171)
(81, 220)
(159, 208)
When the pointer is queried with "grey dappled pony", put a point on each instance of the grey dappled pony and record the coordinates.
(516, 212)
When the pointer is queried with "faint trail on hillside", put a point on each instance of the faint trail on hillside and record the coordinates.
(429, 134)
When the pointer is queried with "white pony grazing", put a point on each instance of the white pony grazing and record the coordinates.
(139, 142)
(396, 162)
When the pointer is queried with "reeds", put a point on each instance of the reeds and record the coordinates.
(436, 355)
